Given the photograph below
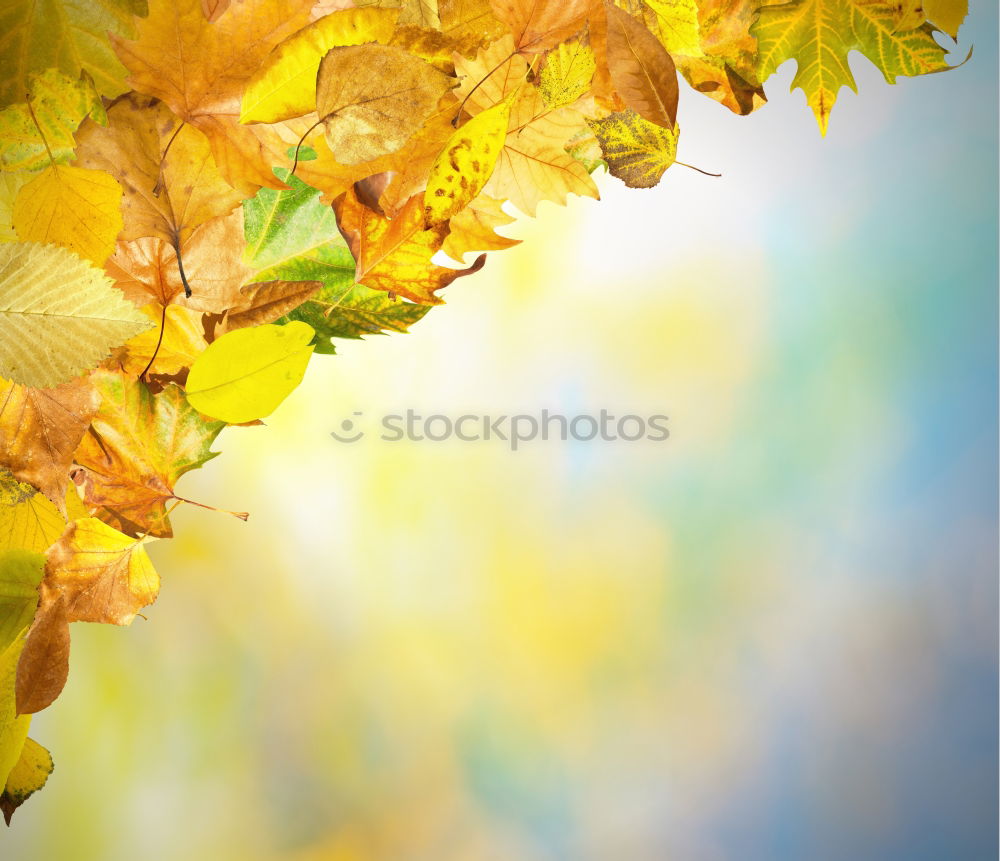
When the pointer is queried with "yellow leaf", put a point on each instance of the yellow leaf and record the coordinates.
(99, 574)
(20, 573)
(947, 14)
(636, 150)
(420, 13)
(568, 71)
(246, 374)
(183, 340)
(13, 727)
(473, 229)
(76, 208)
(26, 777)
(465, 164)
(285, 85)
(802, 31)
(677, 21)
(10, 184)
(28, 520)
(58, 315)
(376, 113)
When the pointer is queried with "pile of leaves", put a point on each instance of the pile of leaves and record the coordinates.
(198, 195)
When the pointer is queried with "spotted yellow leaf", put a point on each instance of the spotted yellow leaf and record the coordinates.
(27, 776)
(466, 163)
(568, 71)
(636, 150)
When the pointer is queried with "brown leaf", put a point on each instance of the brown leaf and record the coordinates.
(146, 268)
(169, 202)
(44, 664)
(40, 429)
(374, 114)
(266, 302)
(642, 71)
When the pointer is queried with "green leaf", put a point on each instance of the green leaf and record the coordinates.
(59, 316)
(63, 34)
(819, 34)
(246, 374)
(291, 236)
(60, 104)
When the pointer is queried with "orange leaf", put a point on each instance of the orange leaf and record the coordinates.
(44, 663)
(394, 255)
(40, 429)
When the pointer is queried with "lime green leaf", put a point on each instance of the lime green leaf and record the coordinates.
(60, 104)
(246, 374)
(59, 316)
(819, 34)
(20, 573)
(66, 35)
(26, 777)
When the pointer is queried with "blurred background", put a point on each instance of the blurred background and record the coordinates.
(772, 637)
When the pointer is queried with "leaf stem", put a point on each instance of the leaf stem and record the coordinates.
(242, 515)
(180, 266)
(682, 164)
(156, 349)
(298, 146)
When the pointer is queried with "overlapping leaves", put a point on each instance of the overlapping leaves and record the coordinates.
(196, 197)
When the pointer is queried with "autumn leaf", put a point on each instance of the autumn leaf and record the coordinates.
(28, 520)
(819, 34)
(59, 315)
(30, 140)
(537, 25)
(64, 34)
(27, 776)
(285, 85)
(266, 302)
(474, 229)
(20, 573)
(200, 68)
(76, 208)
(168, 192)
(43, 665)
(99, 574)
(677, 26)
(374, 114)
(421, 13)
(469, 24)
(642, 71)
(137, 447)
(246, 374)
(14, 724)
(568, 71)
(40, 430)
(10, 184)
(466, 164)
(394, 255)
(167, 352)
(636, 150)
(291, 236)
(146, 268)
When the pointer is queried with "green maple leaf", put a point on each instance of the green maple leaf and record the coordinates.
(819, 34)
(291, 236)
